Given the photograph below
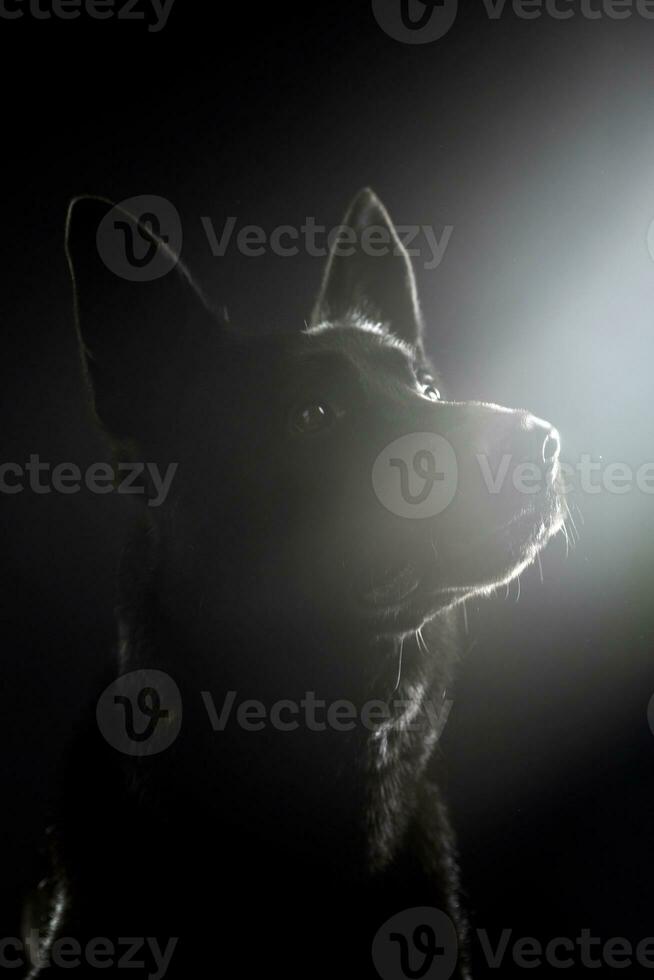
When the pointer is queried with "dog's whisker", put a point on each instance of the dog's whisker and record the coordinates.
(572, 523)
(399, 664)
(566, 539)
(540, 567)
(420, 641)
(567, 524)
(424, 642)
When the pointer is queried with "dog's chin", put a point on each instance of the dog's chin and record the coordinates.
(413, 592)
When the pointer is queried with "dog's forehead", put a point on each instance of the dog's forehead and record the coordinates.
(362, 344)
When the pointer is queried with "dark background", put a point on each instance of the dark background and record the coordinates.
(535, 140)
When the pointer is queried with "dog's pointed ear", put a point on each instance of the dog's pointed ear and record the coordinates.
(138, 315)
(369, 271)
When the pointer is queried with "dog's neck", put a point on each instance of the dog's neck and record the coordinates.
(367, 711)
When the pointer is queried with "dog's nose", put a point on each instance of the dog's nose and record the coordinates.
(548, 438)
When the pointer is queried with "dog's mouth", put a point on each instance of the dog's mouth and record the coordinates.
(392, 585)
(405, 593)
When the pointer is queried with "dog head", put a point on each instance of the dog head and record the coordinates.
(321, 476)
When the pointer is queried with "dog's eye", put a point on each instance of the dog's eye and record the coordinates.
(430, 390)
(312, 418)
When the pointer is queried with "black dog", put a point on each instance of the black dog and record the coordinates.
(291, 564)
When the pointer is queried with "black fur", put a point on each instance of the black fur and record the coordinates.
(273, 570)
